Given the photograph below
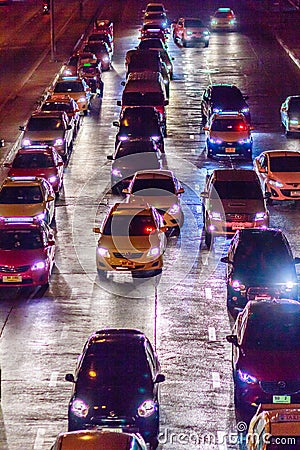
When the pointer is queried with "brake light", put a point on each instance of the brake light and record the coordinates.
(242, 127)
(149, 229)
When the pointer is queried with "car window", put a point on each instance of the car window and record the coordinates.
(20, 195)
(229, 125)
(294, 106)
(285, 164)
(143, 98)
(236, 190)
(56, 106)
(71, 86)
(31, 161)
(153, 186)
(20, 239)
(124, 225)
(193, 23)
(44, 123)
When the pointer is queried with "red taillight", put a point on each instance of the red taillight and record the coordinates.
(242, 127)
(230, 16)
(149, 229)
(160, 109)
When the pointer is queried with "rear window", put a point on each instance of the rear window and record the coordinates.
(153, 186)
(31, 161)
(194, 24)
(285, 164)
(238, 190)
(131, 148)
(143, 99)
(44, 123)
(235, 125)
(129, 225)
(68, 86)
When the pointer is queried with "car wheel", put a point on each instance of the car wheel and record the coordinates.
(209, 153)
(208, 239)
(102, 274)
(184, 43)
(85, 112)
(288, 133)
(206, 44)
(116, 190)
(153, 444)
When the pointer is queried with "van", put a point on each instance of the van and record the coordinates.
(232, 200)
(146, 89)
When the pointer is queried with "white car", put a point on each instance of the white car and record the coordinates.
(223, 19)
(290, 115)
(279, 173)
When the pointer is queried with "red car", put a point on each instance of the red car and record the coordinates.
(266, 353)
(27, 250)
(39, 161)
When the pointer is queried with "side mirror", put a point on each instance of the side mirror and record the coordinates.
(51, 243)
(69, 127)
(110, 157)
(60, 164)
(116, 123)
(119, 103)
(70, 377)
(251, 128)
(163, 229)
(225, 260)
(204, 194)
(296, 260)
(232, 339)
(160, 378)
(180, 190)
(96, 230)
(21, 128)
(125, 191)
(206, 128)
(50, 198)
(123, 83)
(7, 165)
(261, 169)
(166, 102)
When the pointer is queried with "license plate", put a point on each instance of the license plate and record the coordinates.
(229, 150)
(237, 226)
(281, 399)
(108, 429)
(295, 193)
(12, 279)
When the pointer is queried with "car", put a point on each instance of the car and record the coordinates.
(27, 197)
(49, 128)
(104, 26)
(141, 122)
(91, 439)
(62, 102)
(132, 239)
(154, 31)
(222, 97)
(290, 115)
(259, 263)
(116, 385)
(87, 55)
(27, 252)
(38, 161)
(161, 189)
(190, 30)
(223, 19)
(76, 88)
(232, 200)
(155, 8)
(228, 134)
(156, 18)
(279, 174)
(275, 426)
(103, 53)
(265, 354)
(158, 44)
(130, 156)
(101, 37)
(69, 69)
(91, 73)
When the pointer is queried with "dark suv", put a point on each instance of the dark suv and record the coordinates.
(116, 384)
(223, 98)
(140, 122)
(259, 263)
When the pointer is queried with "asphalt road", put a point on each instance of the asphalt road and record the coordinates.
(184, 312)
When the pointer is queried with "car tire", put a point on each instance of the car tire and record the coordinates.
(208, 239)
(102, 274)
(153, 444)
(288, 134)
(184, 43)
(206, 44)
(116, 190)
(209, 153)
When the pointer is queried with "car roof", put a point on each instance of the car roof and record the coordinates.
(228, 115)
(234, 174)
(22, 181)
(259, 233)
(263, 307)
(48, 114)
(128, 208)
(154, 173)
(281, 153)
(36, 149)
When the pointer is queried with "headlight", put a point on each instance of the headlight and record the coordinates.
(155, 138)
(154, 251)
(215, 140)
(289, 285)
(275, 183)
(40, 217)
(26, 142)
(39, 265)
(59, 141)
(214, 22)
(217, 110)
(79, 408)
(174, 209)
(117, 173)
(214, 215)
(206, 33)
(102, 251)
(245, 110)
(232, 21)
(189, 33)
(236, 285)
(146, 409)
(245, 141)
(123, 138)
(246, 377)
(52, 179)
(260, 216)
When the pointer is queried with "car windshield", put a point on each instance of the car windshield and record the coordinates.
(143, 99)
(44, 123)
(130, 148)
(20, 239)
(193, 24)
(274, 330)
(294, 106)
(56, 106)
(140, 124)
(285, 163)
(229, 125)
(32, 160)
(153, 186)
(151, 43)
(10, 195)
(227, 95)
(238, 190)
(68, 86)
(223, 15)
(112, 363)
(97, 47)
(132, 225)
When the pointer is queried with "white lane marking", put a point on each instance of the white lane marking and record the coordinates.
(197, 187)
(222, 440)
(53, 379)
(199, 209)
(216, 380)
(208, 293)
(212, 334)
(64, 332)
(39, 440)
(192, 136)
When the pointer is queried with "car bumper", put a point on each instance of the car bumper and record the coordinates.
(220, 228)
(237, 299)
(28, 278)
(229, 149)
(121, 264)
(284, 193)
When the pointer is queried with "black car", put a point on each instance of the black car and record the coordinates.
(140, 122)
(260, 263)
(116, 384)
(223, 98)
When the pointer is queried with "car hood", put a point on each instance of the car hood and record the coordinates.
(159, 202)
(285, 177)
(21, 210)
(271, 365)
(21, 257)
(125, 244)
(45, 135)
(236, 206)
(230, 136)
(256, 276)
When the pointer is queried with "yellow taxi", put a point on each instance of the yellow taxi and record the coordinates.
(98, 440)
(275, 427)
(77, 89)
(132, 239)
(24, 197)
